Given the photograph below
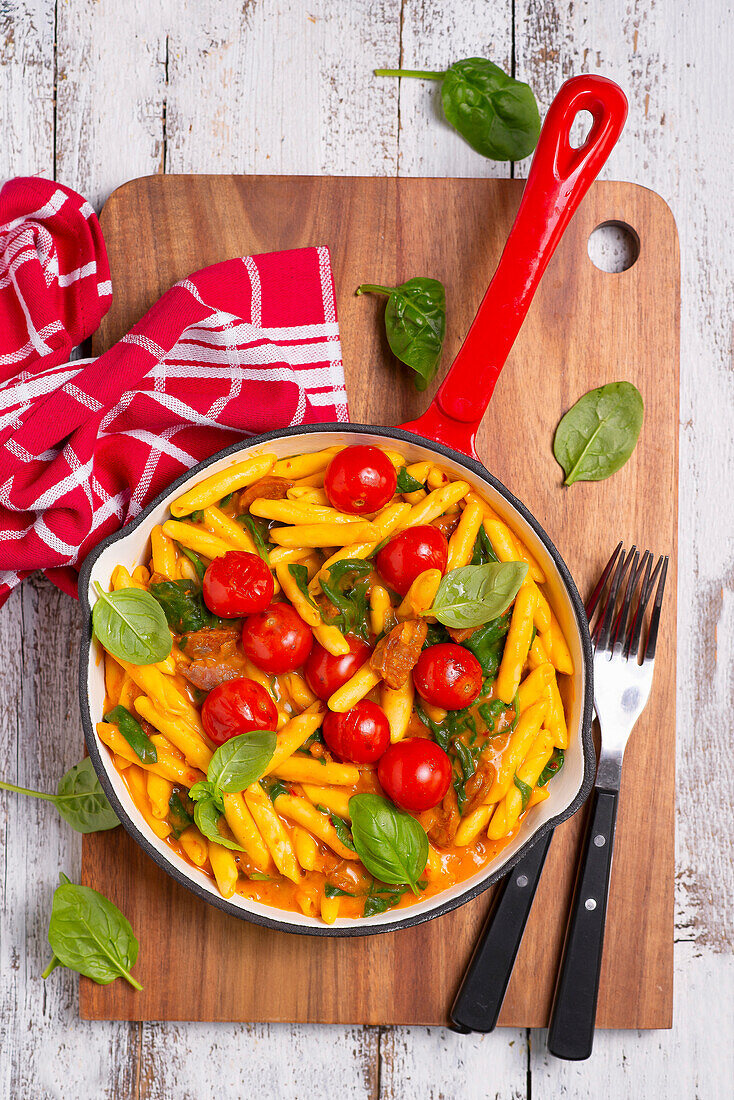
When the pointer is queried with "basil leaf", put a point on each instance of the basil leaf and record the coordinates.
(599, 433)
(203, 790)
(300, 576)
(415, 323)
(133, 733)
(525, 792)
(241, 760)
(392, 845)
(496, 114)
(89, 934)
(407, 483)
(553, 767)
(131, 625)
(206, 815)
(182, 605)
(474, 594)
(334, 892)
(79, 799)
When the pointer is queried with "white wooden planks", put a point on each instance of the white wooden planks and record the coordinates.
(267, 86)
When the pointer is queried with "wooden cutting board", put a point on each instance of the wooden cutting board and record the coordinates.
(585, 328)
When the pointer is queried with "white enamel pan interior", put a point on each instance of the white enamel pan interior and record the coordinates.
(131, 546)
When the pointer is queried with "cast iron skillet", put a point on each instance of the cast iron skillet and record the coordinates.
(559, 177)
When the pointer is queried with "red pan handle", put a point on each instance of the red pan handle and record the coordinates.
(559, 178)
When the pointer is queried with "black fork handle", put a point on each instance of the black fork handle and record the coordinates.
(573, 1015)
(482, 991)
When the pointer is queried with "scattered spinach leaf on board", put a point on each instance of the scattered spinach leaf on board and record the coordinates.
(415, 324)
(133, 733)
(345, 586)
(392, 845)
(131, 625)
(182, 605)
(495, 113)
(475, 594)
(552, 768)
(525, 792)
(79, 799)
(599, 433)
(407, 483)
(89, 934)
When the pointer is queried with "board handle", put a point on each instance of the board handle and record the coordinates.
(560, 175)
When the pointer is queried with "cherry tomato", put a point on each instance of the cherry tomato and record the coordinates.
(235, 707)
(277, 639)
(361, 734)
(325, 674)
(415, 773)
(448, 676)
(359, 480)
(237, 584)
(406, 555)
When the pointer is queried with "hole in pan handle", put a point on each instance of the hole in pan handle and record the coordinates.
(560, 176)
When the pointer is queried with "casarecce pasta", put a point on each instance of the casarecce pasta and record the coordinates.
(352, 652)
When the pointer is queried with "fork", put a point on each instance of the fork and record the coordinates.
(621, 689)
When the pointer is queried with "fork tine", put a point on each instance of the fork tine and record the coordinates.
(632, 579)
(652, 636)
(633, 641)
(594, 597)
(619, 574)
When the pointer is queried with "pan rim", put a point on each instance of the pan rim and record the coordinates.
(587, 745)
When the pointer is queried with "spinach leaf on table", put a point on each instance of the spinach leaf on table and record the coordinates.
(89, 934)
(131, 625)
(415, 324)
(475, 594)
(392, 845)
(182, 605)
(496, 114)
(79, 799)
(599, 433)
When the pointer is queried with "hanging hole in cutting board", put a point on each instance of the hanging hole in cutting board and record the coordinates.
(613, 247)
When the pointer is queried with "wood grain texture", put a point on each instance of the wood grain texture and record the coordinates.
(584, 328)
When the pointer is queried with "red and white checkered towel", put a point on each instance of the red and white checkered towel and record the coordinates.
(245, 346)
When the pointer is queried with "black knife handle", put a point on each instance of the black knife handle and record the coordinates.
(573, 1015)
(479, 1000)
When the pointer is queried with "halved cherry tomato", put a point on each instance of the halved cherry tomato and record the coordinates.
(415, 773)
(235, 707)
(406, 555)
(448, 676)
(237, 584)
(359, 480)
(277, 639)
(361, 734)
(325, 674)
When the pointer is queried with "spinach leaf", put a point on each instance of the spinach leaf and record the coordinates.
(392, 845)
(258, 535)
(483, 550)
(181, 809)
(79, 799)
(342, 830)
(89, 934)
(474, 594)
(468, 757)
(300, 576)
(415, 323)
(240, 761)
(525, 792)
(406, 482)
(436, 634)
(348, 594)
(599, 433)
(441, 734)
(131, 625)
(553, 767)
(195, 560)
(516, 708)
(488, 643)
(488, 712)
(275, 789)
(334, 892)
(133, 733)
(380, 897)
(495, 113)
(182, 605)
